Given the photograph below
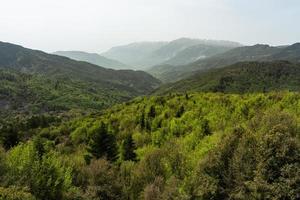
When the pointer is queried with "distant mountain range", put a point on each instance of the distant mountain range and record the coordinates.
(243, 77)
(93, 58)
(61, 83)
(181, 51)
(135, 54)
(169, 73)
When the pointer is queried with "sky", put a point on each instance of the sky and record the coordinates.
(97, 25)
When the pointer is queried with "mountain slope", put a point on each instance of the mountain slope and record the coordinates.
(32, 61)
(240, 54)
(242, 78)
(195, 145)
(134, 54)
(93, 58)
(33, 81)
(179, 50)
(291, 53)
(196, 52)
(29, 94)
(146, 54)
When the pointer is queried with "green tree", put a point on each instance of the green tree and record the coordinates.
(38, 144)
(127, 149)
(205, 127)
(102, 144)
(2, 164)
(142, 120)
(278, 168)
(152, 112)
(9, 136)
(180, 111)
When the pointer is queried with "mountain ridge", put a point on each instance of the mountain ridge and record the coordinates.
(258, 52)
(92, 58)
(57, 83)
(146, 54)
(242, 77)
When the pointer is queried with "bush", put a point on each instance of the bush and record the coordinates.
(15, 193)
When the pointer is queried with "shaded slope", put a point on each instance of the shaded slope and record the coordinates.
(241, 78)
(34, 94)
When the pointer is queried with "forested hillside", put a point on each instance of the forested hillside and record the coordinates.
(28, 94)
(241, 78)
(171, 73)
(14, 57)
(189, 146)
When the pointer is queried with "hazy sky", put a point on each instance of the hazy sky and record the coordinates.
(96, 25)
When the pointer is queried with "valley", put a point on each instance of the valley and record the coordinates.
(220, 121)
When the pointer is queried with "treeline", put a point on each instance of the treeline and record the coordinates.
(191, 146)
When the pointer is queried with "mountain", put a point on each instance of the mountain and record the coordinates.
(196, 52)
(93, 58)
(170, 73)
(242, 77)
(147, 54)
(59, 79)
(184, 50)
(134, 54)
(291, 53)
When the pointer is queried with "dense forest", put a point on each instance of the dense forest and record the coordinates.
(241, 78)
(177, 146)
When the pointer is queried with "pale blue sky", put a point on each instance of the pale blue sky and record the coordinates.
(96, 25)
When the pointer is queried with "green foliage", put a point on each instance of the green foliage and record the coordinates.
(102, 143)
(9, 136)
(263, 164)
(241, 77)
(206, 146)
(128, 148)
(14, 193)
(103, 182)
(45, 176)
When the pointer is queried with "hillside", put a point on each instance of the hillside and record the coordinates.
(196, 52)
(34, 94)
(146, 54)
(239, 54)
(291, 53)
(93, 58)
(189, 146)
(241, 78)
(31, 61)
